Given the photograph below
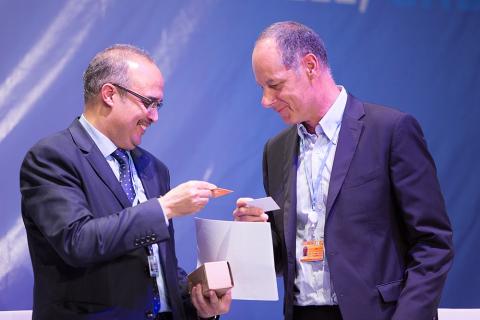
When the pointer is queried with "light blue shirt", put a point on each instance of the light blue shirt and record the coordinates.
(106, 147)
(313, 279)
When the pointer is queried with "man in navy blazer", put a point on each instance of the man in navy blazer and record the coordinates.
(362, 232)
(102, 249)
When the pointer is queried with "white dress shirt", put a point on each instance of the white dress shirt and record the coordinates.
(317, 151)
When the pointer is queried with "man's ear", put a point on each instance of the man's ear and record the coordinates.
(106, 93)
(310, 65)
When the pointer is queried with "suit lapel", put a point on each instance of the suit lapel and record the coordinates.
(290, 182)
(348, 139)
(97, 161)
(144, 171)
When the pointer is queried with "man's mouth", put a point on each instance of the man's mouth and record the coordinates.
(143, 124)
(280, 109)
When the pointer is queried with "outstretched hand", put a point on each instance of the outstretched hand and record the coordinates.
(248, 214)
(186, 198)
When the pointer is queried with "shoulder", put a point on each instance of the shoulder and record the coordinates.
(57, 145)
(284, 139)
(376, 115)
(52, 158)
(390, 118)
(382, 112)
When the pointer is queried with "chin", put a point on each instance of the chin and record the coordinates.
(288, 120)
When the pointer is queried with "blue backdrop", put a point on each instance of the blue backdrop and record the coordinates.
(420, 56)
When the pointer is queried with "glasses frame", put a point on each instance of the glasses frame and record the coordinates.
(148, 103)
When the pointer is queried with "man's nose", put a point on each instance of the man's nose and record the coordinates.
(267, 99)
(152, 114)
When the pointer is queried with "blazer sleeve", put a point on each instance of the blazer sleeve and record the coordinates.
(428, 229)
(276, 226)
(55, 205)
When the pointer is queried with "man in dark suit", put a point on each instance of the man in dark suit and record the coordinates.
(97, 208)
(362, 232)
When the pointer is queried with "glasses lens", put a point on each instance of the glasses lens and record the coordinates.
(154, 105)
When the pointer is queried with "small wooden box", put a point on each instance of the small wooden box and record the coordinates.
(215, 276)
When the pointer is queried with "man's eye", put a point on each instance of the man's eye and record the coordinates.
(275, 86)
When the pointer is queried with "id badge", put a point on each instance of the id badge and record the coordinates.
(153, 266)
(312, 251)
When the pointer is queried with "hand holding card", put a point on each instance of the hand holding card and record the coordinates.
(253, 210)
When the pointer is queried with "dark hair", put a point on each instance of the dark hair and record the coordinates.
(109, 65)
(294, 41)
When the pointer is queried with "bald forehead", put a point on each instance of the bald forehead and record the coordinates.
(266, 53)
(266, 45)
(136, 63)
(145, 76)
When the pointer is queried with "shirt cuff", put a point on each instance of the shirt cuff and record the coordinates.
(164, 216)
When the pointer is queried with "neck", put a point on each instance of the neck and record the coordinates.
(95, 118)
(325, 99)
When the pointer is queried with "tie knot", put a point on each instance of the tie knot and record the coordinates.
(120, 155)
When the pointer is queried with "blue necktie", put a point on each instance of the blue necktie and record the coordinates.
(121, 156)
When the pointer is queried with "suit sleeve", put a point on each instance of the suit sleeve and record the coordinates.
(56, 208)
(277, 243)
(428, 230)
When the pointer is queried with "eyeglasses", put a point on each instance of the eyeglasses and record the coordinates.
(149, 103)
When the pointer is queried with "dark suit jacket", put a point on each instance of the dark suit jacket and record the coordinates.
(388, 239)
(86, 242)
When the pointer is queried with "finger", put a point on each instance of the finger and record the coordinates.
(193, 295)
(249, 215)
(203, 185)
(200, 203)
(201, 303)
(236, 215)
(242, 202)
(225, 302)
(204, 193)
(251, 219)
(249, 211)
(213, 303)
(212, 296)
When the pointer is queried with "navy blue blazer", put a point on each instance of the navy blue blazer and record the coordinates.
(388, 239)
(86, 242)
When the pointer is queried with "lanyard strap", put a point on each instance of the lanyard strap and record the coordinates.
(314, 187)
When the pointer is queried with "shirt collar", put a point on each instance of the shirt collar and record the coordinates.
(330, 121)
(103, 143)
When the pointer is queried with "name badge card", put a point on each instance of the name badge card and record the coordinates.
(312, 251)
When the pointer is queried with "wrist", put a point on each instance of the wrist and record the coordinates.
(166, 210)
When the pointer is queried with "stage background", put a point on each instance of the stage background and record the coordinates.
(422, 57)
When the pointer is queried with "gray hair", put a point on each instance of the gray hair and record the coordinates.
(295, 40)
(110, 65)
